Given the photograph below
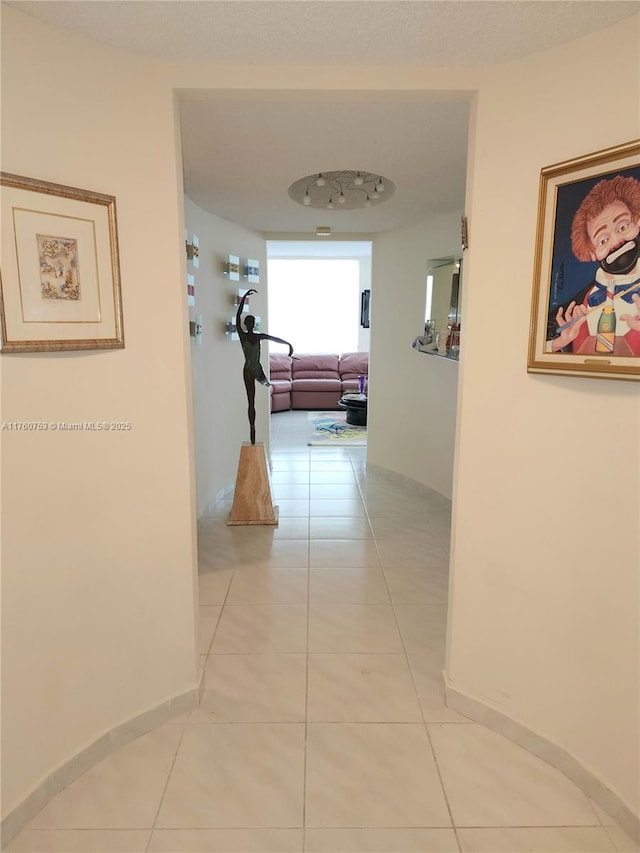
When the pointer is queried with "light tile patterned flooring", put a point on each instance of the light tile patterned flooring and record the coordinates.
(323, 726)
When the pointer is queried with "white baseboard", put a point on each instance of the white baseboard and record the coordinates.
(550, 752)
(63, 776)
(219, 495)
(414, 486)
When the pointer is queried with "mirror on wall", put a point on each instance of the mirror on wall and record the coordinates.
(443, 300)
(443, 293)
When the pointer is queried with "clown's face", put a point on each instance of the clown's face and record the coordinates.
(614, 238)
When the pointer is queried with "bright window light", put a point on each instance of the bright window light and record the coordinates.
(315, 304)
(427, 313)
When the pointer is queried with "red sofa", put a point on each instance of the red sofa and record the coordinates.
(314, 381)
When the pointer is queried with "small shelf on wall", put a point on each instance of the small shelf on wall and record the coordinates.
(193, 250)
(236, 298)
(231, 330)
(437, 354)
(419, 345)
(231, 268)
(252, 271)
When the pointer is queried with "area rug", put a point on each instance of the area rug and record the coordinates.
(331, 428)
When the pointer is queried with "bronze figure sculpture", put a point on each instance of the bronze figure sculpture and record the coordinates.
(252, 371)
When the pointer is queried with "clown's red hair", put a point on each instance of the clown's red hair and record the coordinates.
(626, 190)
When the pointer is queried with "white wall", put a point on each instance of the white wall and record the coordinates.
(221, 423)
(412, 407)
(544, 600)
(98, 550)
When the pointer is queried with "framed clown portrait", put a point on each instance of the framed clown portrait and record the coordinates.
(585, 311)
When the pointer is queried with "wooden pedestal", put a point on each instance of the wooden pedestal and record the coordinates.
(252, 502)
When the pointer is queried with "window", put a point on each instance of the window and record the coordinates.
(427, 313)
(314, 303)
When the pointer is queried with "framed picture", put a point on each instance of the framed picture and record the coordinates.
(365, 299)
(60, 275)
(585, 313)
(252, 271)
(232, 268)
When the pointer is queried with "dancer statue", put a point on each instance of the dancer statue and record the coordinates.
(252, 371)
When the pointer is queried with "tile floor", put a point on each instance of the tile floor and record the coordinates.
(322, 726)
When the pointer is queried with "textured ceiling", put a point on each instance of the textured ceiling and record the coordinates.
(240, 157)
(336, 32)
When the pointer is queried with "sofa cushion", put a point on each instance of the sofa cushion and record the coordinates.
(280, 386)
(280, 402)
(312, 366)
(312, 384)
(279, 366)
(314, 399)
(354, 364)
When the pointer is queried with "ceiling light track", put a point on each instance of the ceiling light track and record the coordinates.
(346, 190)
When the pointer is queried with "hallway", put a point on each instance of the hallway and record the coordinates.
(322, 727)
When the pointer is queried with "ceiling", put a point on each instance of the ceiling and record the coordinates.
(241, 153)
(241, 157)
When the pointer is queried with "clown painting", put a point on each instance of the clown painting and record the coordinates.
(587, 280)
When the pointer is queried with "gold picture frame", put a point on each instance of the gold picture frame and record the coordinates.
(585, 310)
(60, 271)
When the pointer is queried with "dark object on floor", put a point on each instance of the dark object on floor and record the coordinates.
(355, 406)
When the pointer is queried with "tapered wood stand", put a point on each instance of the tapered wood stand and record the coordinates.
(252, 502)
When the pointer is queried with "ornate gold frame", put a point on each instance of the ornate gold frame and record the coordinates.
(571, 179)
